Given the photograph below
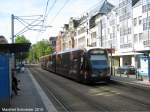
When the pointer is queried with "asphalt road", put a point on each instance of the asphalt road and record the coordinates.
(68, 95)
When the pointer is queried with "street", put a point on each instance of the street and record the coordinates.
(68, 95)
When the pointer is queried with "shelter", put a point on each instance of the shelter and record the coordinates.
(7, 62)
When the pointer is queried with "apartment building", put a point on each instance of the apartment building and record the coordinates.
(59, 41)
(124, 28)
(135, 41)
(137, 27)
(86, 30)
(89, 30)
(146, 23)
(65, 38)
(110, 34)
(81, 37)
(69, 32)
(52, 41)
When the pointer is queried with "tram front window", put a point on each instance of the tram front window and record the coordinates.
(98, 61)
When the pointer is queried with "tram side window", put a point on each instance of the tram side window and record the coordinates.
(58, 60)
(65, 59)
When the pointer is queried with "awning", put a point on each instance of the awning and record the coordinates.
(15, 48)
(126, 54)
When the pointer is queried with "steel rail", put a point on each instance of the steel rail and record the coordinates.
(89, 101)
(52, 94)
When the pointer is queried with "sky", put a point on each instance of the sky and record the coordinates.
(58, 13)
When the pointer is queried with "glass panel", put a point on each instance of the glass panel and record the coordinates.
(98, 61)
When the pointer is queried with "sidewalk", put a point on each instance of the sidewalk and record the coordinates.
(31, 98)
(132, 79)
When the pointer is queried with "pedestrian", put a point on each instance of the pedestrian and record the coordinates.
(15, 82)
(22, 68)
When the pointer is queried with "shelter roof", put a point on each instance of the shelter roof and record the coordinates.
(15, 48)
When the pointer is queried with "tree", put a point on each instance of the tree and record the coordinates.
(39, 49)
(22, 55)
(21, 39)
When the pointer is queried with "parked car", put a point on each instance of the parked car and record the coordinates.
(127, 70)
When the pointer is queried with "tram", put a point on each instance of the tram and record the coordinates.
(88, 65)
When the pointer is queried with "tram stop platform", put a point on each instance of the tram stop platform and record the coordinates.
(141, 81)
(30, 98)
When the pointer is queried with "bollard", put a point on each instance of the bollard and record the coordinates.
(136, 75)
(141, 78)
(127, 75)
(114, 71)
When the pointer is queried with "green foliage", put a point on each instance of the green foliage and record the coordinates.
(21, 39)
(39, 49)
(21, 56)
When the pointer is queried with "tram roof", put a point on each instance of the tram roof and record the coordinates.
(89, 48)
(77, 49)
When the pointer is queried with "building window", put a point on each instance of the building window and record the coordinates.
(146, 23)
(123, 46)
(135, 38)
(87, 42)
(135, 21)
(140, 20)
(81, 30)
(140, 36)
(146, 7)
(108, 30)
(93, 44)
(122, 40)
(117, 27)
(125, 31)
(81, 40)
(93, 35)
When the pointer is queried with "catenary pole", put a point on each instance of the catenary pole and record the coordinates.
(12, 28)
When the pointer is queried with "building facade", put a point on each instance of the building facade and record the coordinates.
(89, 30)
(124, 28)
(59, 42)
(52, 41)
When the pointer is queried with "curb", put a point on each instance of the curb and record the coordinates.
(48, 104)
(132, 82)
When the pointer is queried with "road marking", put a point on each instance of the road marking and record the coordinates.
(102, 91)
(48, 104)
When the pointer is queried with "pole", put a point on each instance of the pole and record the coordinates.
(148, 20)
(101, 34)
(148, 38)
(111, 61)
(12, 37)
(149, 68)
(12, 28)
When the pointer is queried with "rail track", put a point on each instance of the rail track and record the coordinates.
(70, 96)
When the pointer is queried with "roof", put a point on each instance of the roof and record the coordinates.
(15, 48)
(103, 8)
(134, 2)
(81, 49)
